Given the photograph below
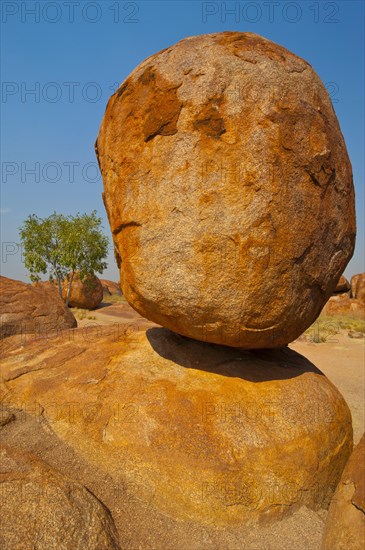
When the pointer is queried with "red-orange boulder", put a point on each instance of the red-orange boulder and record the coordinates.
(344, 305)
(358, 286)
(110, 287)
(86, 293)
(26, 308)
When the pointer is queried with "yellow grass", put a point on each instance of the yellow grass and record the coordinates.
(326, 326)
(114, 299)
(81, 314)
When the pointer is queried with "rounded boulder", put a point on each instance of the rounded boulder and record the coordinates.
(86, 293)
(228, 189)
(203, 433)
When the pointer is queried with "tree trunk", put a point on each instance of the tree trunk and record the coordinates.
(69, 288)
(58, 283)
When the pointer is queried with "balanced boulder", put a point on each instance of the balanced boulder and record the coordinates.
(42, 509)
(26, 308)
(86, 293)
(202, 432)
(228, 190)
(345, 526)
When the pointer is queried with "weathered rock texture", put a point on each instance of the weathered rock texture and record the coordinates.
(345, 527)
(28, 308)
(228, 190)
(42, 509)
(342, 286)
(358, 286)
(85, 294)
(201, 432)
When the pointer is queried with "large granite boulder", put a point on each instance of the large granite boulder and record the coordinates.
(42, 509)
(358, 286)
(345, 526)
(86, 293)
(228, 189)
(204, 433)
(26, 308)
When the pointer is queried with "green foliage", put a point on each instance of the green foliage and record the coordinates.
(62, 245)
(42, 246)
(84, 246)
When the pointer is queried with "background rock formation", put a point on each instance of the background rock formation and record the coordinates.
(343, 305)
(28, 308)
(110, 287)
(358, 287)
(228, 190)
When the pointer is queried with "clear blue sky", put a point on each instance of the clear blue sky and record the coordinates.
(74, 54)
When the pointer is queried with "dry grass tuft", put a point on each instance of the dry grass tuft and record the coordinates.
(327, 326)
(81, 314)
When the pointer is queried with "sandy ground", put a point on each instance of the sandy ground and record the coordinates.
(342, 360)
(142, 527)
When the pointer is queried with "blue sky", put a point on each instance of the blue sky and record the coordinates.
(62, 60)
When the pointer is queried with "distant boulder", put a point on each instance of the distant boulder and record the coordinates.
(26, 308)
(85, 294)
(342, 286)
(358, 286)
(110, 287)
(344, 305)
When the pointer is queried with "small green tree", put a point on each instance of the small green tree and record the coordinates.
(62, 245)
(42, 246)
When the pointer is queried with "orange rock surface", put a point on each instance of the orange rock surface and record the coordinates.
(42, 509)
(203, 432)
(228, 189)
(345, 526)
